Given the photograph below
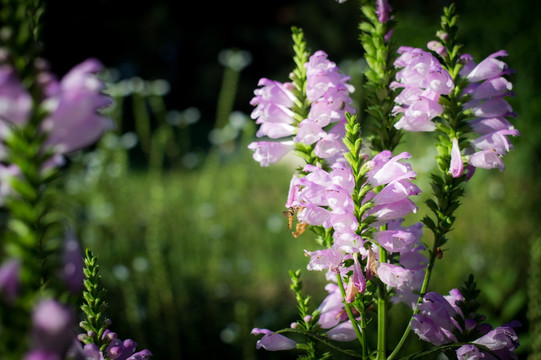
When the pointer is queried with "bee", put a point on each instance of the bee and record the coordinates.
(291, 213)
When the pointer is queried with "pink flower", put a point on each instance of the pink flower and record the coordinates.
(10, 280)
(457, 166)
(74, 121)
(273, 92)
(385, 168)
(117, 349)
(342, 332)
(357, 281)
(15, 102)
(488, 88)
(423, 80)
(273, 342)
(469, 352)
(326, 259)
(382, 10)
(309, 132)
(273, 101)
(435, 322)
(489, 68)
(327, 90)
(52, 329)
(397, 277)
(332, 310)
(269, 152)
(396, 240)
(502, 340)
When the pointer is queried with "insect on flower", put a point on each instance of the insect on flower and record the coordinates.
(290, 213)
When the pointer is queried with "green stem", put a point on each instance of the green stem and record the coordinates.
(319, 338)
(382, 313)
(226, 98)
(422, 293)
(354, 323)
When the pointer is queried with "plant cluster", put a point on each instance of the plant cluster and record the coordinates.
(356, 192)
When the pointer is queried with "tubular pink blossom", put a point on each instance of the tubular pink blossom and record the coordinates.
(268, 152)
(309, 132)
(326, 259)
(496, 141)
(342, 332)
(385, 168)
(273, 342)
(488, 68)
(396, 191)
(487, 125)
(332, 308)
(10, 280)
(396, 276)
(274, 92)
(382, 10)
(395, 240)
(486, 159)
(74, 121)
(15, 102)
(495, 87)
(357, 281)
(457, 166)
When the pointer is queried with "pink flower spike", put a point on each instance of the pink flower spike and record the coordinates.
(457, 166)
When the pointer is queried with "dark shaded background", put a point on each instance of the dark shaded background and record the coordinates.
(180, 41)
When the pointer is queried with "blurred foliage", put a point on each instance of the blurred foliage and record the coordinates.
(190, 237)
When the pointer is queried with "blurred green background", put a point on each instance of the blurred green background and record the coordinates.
(189, 229)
